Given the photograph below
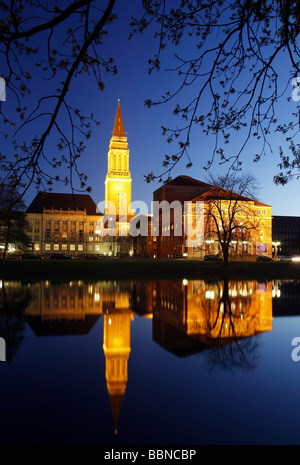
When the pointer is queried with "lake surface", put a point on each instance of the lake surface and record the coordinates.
(150, 362)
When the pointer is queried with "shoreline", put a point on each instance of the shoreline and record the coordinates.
(112, 269)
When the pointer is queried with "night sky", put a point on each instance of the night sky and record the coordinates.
(132, 85)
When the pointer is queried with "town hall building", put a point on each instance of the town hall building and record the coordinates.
(72, 224)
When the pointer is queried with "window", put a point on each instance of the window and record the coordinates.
(36, 238)
(47, 246)
(36, 247)
(64, 247)
(97, 247)
(37, 222)
(91, 238)
(80, 247)
(56, 247)
(72, 247)
(91, 223)
(36, 230)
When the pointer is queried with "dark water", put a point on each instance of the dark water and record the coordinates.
(156, 362)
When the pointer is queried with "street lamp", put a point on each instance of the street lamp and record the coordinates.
(276, 244)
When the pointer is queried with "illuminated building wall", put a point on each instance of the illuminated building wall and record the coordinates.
(254, 237)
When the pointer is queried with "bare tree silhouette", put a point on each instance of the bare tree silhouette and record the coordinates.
(235, 61)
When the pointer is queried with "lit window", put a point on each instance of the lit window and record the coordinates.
(80, 247)
(36, 247)
(72, 246)
(56, 247)
(47, 247)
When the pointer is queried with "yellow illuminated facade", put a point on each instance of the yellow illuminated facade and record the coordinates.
(118, 178)
(214, 311)
(116, 347)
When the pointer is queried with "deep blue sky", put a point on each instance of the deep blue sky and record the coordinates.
(132, 85)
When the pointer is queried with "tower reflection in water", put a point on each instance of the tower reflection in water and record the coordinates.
(188, 316)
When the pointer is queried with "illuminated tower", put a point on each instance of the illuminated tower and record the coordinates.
(118, 178)
(116, 346)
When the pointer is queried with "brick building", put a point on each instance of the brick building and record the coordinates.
(181, 198)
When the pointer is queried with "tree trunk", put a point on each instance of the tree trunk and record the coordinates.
(225, 250)
(6, 242)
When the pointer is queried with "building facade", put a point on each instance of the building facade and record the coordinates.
(184, 230)
(65, 223)
(286, 235)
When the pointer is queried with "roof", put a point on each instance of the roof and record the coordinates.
(188, 181)
(286, 220)
(216, 193)
(61, 327)
(118, 130)
(57, 201)
(185, 181)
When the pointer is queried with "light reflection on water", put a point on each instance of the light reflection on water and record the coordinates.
(149, 337)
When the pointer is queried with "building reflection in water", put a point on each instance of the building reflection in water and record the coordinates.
(116, 346)
(211, 313)
(188, 316)
(74, 308)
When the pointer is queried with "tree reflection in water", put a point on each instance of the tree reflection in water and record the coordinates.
(218, 319)
(235, 349)
(14, 298)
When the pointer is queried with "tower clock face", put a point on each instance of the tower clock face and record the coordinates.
(119, 185)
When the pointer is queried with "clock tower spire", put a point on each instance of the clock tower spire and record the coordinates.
(118, 178)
